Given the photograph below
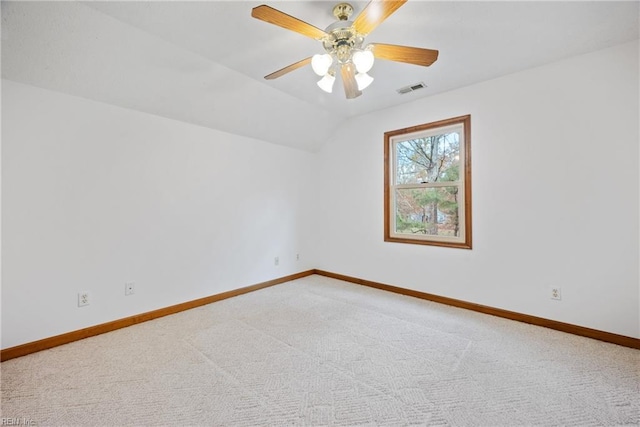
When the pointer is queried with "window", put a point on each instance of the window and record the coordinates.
(427, 184)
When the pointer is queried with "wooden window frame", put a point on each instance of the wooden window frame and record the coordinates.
(464, 241)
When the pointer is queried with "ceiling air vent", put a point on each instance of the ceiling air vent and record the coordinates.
(411, 88)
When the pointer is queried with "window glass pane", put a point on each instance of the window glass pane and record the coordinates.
(428, 211)
(433, 158)
(427, 184)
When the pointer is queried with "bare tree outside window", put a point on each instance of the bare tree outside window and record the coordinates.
(428, 184)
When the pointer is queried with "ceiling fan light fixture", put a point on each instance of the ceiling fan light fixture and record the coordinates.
(343, 42)
(363, 80)
(363, 60)
(321, 63)
(326, 83)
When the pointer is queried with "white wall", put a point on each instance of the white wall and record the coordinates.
(555, 195)
(95, 195)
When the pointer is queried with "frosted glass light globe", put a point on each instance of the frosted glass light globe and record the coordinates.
(326, 84)
(321, 63)
(363, 80)
(363, 60)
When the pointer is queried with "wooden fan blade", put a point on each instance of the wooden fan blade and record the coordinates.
(348, 72)
(374, 13)
(410, 55)
(288, 69)
(281, 19)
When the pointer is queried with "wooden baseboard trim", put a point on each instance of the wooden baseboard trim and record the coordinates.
(46, 343)
(512, 315)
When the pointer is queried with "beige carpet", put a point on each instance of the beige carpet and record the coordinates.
(318, 351)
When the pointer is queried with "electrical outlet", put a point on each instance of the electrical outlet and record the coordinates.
(130, 288)
(555, 293)
(83, 298)
(276, 261)
(297, 257)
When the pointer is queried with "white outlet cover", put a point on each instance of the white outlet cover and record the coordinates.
(555, 292)
(130, 288)
(84, 298)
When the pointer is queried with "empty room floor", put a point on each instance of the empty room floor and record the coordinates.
(319, 351)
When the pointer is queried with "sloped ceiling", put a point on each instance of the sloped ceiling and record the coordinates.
(204, 62)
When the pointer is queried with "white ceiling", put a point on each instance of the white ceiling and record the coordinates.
(204, 62)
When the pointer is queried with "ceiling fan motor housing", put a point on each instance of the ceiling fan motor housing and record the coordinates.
(341, 40)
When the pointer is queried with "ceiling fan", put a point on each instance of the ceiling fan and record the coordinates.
(343, 42)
